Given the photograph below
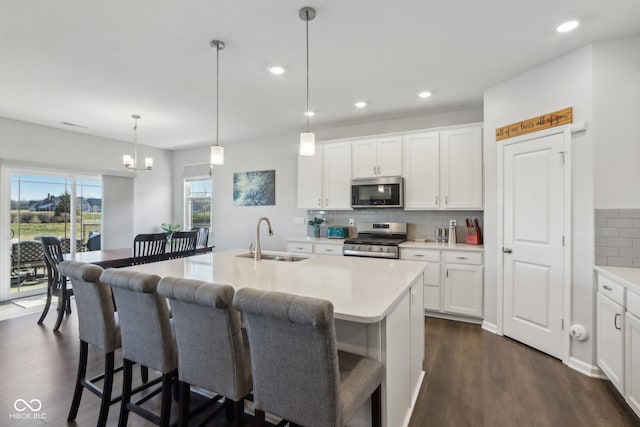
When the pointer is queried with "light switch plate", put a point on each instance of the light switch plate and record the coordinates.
(352, 222)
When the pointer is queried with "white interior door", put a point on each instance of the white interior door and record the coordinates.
(533, 197)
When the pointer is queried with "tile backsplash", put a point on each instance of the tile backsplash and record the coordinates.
(420, 224)
(617, 237)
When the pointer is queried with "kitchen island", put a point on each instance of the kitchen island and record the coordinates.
(378, 307)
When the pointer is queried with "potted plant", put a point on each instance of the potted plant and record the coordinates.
(169, 229)
(313, 227)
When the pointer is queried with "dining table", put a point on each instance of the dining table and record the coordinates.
(117, 258)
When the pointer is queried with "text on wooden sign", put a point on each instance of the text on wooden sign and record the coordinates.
(545, 121)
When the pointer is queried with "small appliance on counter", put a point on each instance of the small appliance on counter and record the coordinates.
(337, 232)
(453, 236)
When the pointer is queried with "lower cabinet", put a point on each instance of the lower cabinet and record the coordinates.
(632, 352)
(315, 248)
(610, 345)
(618, 334)
(463, 289)
(453, 280)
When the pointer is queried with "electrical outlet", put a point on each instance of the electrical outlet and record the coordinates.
(452, 223)
(352, 222)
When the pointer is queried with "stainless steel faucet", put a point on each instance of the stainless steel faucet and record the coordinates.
(258, 249)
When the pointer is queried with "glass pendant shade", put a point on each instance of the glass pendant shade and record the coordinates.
(217, 155)
(307, 144)
(127, 161)
(148, 162)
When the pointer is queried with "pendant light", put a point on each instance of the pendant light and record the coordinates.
(217, 151)
(132, 162)
(307, 138)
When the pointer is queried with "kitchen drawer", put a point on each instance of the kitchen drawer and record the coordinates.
(432, 298)
(419, 254)
(328, 249)
(633, 303)
(613, 290)
(460, 257)
(304, 248)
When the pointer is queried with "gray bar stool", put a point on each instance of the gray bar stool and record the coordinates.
(147, 338)
(298, 372)
(212, 352)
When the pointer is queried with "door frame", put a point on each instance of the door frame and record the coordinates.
(566, 226)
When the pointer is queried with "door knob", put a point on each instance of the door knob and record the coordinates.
(507, 250)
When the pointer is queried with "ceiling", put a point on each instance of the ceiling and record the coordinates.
(94, 63)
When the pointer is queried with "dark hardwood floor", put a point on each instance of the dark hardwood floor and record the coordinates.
(473, 378)
(476, 378)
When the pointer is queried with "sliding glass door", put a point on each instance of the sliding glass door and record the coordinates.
(40, 204)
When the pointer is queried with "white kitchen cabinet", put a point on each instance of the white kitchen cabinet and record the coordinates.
(453, 281)
(324, 180)
(377, 157)
(461, 168)
(422, 171)
(301, 248)
(443, 170)
(610, 339)
(463, 289)
(632, 352)
(327, 249)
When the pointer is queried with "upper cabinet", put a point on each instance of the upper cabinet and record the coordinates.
(324, 180)
(376, 157)
(443, 170)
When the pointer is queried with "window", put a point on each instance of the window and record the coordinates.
(41, 205)
(198, 198)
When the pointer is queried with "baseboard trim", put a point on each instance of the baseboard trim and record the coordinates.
(490, 327)
(586, 368)
(456, 317)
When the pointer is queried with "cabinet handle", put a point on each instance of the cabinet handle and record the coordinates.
(299, 248)
(446, 200)
(461, 257)
(328, 250)
(319, 202)
(447, 273)
(419, 255)
(615, 321)
(436, 200)
(326, 202)
(607, 287)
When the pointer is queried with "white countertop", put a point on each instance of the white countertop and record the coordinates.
(361, 289)
(315, 240)
(628, 276)
(441, 246)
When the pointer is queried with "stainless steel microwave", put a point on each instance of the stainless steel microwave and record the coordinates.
(377, 193)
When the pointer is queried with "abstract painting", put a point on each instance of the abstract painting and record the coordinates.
(256, 188)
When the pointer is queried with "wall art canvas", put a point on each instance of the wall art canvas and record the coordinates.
(256, 188)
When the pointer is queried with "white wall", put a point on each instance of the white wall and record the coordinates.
(616, 99)
(235, 226)
(564, 82)
(23, 143)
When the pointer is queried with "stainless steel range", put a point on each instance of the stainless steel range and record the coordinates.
(376, 239)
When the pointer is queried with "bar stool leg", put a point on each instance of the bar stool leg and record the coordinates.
(82, 372)
(126, 392)
(185, 397)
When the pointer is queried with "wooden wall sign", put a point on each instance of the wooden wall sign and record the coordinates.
(545, 121)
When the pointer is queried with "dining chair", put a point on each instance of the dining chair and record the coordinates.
(149, 247)
(65, 244)
(183, 243)
(58, 284)
(298, 372)
(212, 353)
(203, 236)
(147, 339)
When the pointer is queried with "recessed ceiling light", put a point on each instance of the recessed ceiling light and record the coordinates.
(567, 26)
(277, 70)
(360, 104)
(424, 94)
(309, 114)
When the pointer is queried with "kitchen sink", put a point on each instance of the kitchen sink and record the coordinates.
(271, 257)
